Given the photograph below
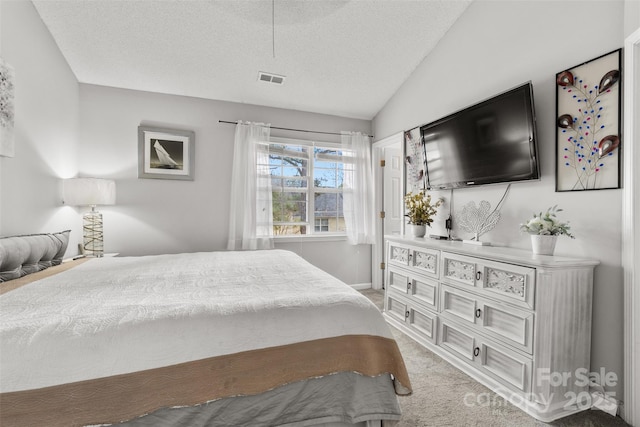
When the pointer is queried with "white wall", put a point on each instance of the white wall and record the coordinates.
(155, 216)
(497, 45)
(631, 17)
(46, 125)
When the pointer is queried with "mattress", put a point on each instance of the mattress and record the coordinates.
(113, 339)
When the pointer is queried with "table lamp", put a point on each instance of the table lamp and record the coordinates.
(90, 192)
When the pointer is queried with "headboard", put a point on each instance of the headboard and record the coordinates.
(26, 254)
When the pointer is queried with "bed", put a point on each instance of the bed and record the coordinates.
(259, 338)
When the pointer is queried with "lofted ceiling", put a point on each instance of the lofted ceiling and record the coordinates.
(345, 58)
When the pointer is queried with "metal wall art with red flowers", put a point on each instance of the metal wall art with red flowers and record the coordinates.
(588, 123)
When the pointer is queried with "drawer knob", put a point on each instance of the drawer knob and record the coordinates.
(476, 351)
(406, 314)
(408, 285)
(478, 313)
(478, 275)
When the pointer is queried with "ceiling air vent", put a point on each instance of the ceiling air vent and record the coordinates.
(270, 78)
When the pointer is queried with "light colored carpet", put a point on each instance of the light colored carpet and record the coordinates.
(444, 396)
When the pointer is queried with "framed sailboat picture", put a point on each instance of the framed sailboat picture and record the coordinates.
(166, 153)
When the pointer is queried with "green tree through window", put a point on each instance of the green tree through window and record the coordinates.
(307, 182)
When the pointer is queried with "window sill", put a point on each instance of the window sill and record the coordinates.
(311, 238)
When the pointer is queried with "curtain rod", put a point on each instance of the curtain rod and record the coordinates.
(295, 130)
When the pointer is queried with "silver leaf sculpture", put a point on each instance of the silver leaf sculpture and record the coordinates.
(478, 220)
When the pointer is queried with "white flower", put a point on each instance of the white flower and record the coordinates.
(547, 224)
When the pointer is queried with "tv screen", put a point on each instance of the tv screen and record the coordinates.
(490, 142)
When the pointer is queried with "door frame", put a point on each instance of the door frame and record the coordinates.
(377, 252)
(630, 231)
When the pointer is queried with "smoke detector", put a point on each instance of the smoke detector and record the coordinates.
(270, 78)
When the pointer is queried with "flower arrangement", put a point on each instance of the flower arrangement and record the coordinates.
(547, 224)
(420, 210)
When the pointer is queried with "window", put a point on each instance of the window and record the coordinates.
(322, 224)
(306, 180)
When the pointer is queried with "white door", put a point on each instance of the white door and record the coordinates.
(392, 191)
(388, 191)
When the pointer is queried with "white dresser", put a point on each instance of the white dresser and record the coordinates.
(516, 322)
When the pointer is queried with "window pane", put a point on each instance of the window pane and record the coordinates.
(288, 161)
(294, 170)
(329, 216)
(321, 224)
(289, 207)
(289, 167)
(328, 168)
(276, 182)
(275, 160)
(328, 178)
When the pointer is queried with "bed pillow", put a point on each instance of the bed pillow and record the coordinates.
(63, 238)
(26, 254)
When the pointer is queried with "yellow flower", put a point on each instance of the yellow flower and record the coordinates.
(420, 210)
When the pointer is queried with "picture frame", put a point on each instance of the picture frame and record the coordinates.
(589, 124)
(166, 153)
(415, 161)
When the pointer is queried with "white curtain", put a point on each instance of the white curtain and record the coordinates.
(359, 209)
(250, 211)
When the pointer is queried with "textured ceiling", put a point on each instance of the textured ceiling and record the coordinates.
(339, 57)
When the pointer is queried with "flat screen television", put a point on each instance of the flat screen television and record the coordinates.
(491, 142)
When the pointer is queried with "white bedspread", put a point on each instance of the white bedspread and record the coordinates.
(112, 316)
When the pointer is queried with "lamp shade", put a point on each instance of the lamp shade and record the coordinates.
(89, 191)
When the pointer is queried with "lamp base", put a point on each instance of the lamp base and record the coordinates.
(92, 233)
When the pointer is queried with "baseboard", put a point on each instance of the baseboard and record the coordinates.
(361, 286)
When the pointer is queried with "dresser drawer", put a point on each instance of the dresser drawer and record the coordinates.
(419, 260)
(505, 323)
(503, 365)
(425, 261)
(457, 340)
(510, 283)
(414, 317)
(459, 269)
(417, 288)
(424, 291)
(423, 322)
(397, 254)
(398, 280)
(395, 307)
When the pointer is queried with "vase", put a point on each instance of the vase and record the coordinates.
(543, 244)
(418, 230)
